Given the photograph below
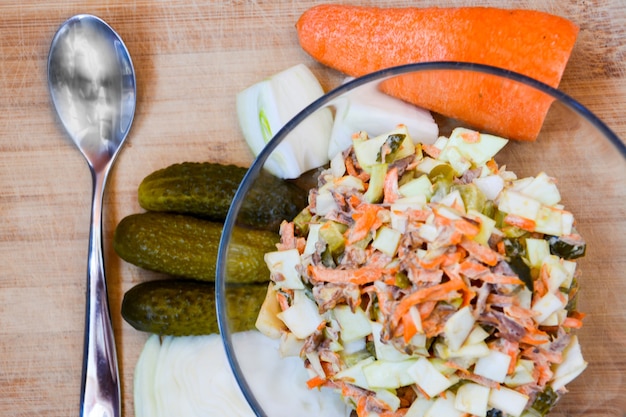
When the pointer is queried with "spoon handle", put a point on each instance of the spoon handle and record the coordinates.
(100, 390)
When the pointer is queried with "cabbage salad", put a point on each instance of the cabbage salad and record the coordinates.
(426, 280)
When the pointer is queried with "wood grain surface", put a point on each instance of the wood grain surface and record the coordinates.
(191, 58)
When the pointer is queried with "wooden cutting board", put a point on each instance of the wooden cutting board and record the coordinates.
(191, 60)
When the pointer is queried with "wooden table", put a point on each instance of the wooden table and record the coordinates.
(191, 59)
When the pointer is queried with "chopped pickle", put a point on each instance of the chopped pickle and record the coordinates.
(374, 191)
(327, 259)
(489, 209)
(402, 280)
(472, 197)
(567, 247)
(406, 177)
(442, 172)
(514, 247)
(302, 221)
(545, 401)
(392, 144)
(494, 412)
(522, 270)
(332, 233)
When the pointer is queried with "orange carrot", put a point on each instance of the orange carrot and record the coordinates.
(410, 329)
(439, 292)
(493, 166)
(472, 269)
(482, 253)
(315, 382)
(521, 222)
(431, 150)
(572, 323)
(471, 137)
(493, 278)
(390, 190)
(366, 220)
(360, 276)
(426, 308)
(282, 301)
(359, 40)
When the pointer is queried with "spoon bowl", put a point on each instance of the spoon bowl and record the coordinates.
(92, 86)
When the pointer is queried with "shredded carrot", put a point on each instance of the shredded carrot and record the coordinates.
(501, 279)
(360, 276)
(521, 222)
(419, 216)
(366, 220)
(315, 382)
(471, 137)
(350, 169)
(431, 150)
(433, 325)
(535, 340)
(481, 252)
(287, 236)
(493, 166)
(354, 201)
(410, 329)
(472, 269)
(577, 315)
(572, 323)
(467, 227)
(440, 292)
(401, 412)
(501, 249)
(422, 275)
(390, 188)
(361, 407)
(282, 301)
(426, 308)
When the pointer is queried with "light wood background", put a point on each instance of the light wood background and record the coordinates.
(191, 58)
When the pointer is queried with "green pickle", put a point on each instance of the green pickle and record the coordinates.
(332, 233)
(185, 246)
(302, 221)
(442, 172)
(442, 177)
(472, 197)
(206, 190)
(176, 307)
(393, 142)
(567, 247)
(545, 401)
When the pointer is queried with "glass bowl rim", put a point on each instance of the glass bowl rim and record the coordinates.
(256, 166)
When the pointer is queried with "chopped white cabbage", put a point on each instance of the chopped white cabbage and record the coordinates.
(190, 376)
(368, 109)
(265, 107)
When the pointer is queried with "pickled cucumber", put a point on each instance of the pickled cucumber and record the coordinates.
(185, 246)
(206, 190)
(178, 307)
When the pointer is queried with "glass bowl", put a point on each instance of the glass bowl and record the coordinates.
(574, 146)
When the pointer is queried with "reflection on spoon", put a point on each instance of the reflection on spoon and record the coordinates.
(92, 86)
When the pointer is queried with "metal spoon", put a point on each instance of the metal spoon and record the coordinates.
(92, 84)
